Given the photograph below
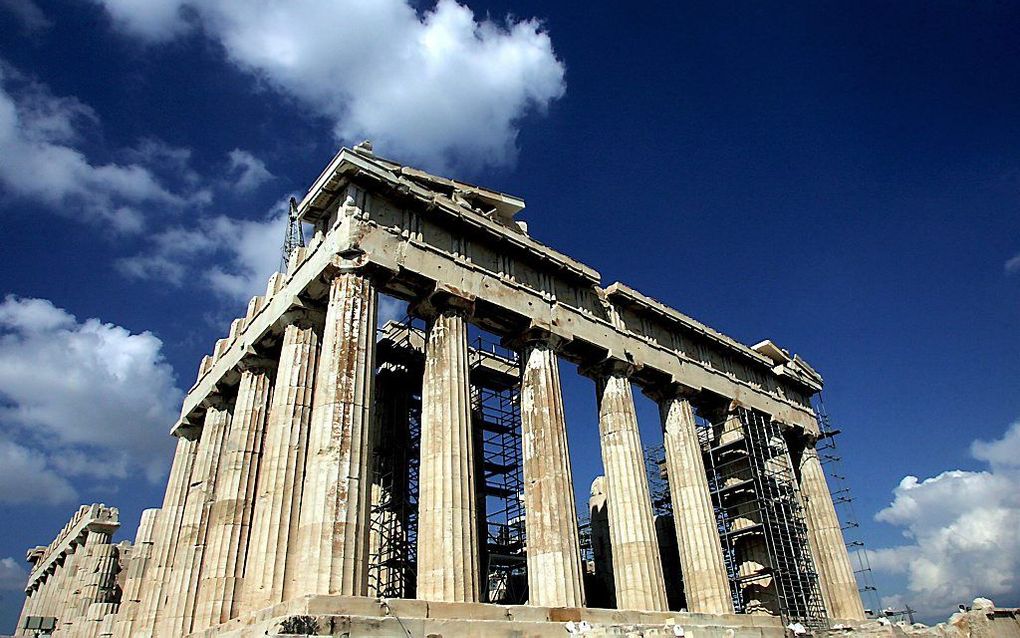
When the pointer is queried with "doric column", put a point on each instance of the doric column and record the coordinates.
(138, 567)
(706, 584)
(168, 526)
(825, 535)
(67, 586)
(637, 567)
(220, 578)
(278, 494)
(179, 608)
(334, 519)
(98, 571)
(448, 558)
(554, 555)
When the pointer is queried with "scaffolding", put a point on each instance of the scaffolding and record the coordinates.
(495, 388)
(393, 521)
(843, 500)
(495, 394)
(761, 522)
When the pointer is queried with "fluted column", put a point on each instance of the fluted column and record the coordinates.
(554, 555)
(278, 494)
(179, 608)
(825, 535)
(448, 558)
(67, 585)
(168, 526)
(706, 584)
(137, 569)
(637, 567)
(334, 519)
(222, 571)
(98, 572)
(26, 611)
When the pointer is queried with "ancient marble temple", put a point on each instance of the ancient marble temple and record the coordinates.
(334, 478)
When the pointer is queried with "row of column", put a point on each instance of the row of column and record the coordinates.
(287, 469)
(79, 590)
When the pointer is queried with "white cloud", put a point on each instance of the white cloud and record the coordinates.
(38, 135)
(25, 477)
(439, 88)
(82, 399)
(233, 257)
(247, 172)
(13, 575)
(963, 531)
(1013, 265)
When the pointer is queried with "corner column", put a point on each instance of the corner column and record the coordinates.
(334, 519)
(554, 555)
(706, 584)
(278, 495)
(637, 567)
(448, 547)
(222, 572)
(825, 534)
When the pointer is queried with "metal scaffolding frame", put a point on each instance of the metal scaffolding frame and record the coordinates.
(495, 394)
(495, 388)
(756, 499)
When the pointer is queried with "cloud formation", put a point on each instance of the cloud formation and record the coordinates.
(78, 399)
(12, 575)
(42, 132)
(439, 88)
(963, 531)
(232, 257)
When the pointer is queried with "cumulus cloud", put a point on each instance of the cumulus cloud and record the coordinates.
(12, 574)
(82, 399)
(962, 530)
(39, 134)
(246, 172)
(26, 477)
(243, 254)
(440, 88)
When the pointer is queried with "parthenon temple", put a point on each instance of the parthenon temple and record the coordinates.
(335, 476)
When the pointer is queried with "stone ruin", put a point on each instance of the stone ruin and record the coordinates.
(334, 479)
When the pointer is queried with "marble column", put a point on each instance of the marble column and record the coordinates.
(278, 493)
(179, 608)
(637, 567)
(138, 567)
(222, 572)
(97, 573)
(334, 519)
(168, 526)
(706, 583)
(448, 544)
(825, 535)
(554, 555)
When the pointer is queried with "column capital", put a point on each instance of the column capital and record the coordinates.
(253, 361)
(444, 298)
(669, 390)
(538, 333)
(355, 260)
(303, 316)
(215, 401)
(611, 366)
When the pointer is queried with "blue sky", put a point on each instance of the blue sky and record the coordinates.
(843, 179)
